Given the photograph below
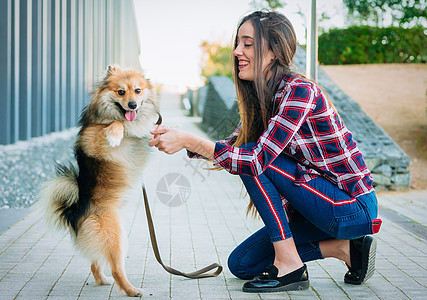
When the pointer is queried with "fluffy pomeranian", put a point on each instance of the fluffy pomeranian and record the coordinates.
(111, 150)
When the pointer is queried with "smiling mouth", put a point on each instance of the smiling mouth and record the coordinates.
(130, 115)
(243, 63)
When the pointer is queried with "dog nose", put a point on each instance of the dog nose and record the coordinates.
(132, 105)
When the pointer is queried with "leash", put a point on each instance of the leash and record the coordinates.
(192, 275)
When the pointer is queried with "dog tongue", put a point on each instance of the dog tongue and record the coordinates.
(130, 115)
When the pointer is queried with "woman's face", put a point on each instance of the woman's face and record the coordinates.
(245, 52)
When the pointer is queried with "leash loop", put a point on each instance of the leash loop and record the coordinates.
(193, 275)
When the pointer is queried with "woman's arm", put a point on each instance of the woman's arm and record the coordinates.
(230, 140)
(296, 103)
(171, 140)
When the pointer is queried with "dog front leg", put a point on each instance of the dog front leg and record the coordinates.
(114, 133)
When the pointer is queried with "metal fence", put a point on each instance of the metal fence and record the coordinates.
(51, 53)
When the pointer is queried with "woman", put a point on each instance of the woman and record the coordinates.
(291, 151)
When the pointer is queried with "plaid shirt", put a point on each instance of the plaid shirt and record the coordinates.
(307, 129)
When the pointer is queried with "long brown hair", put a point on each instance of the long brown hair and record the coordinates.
(272, 31)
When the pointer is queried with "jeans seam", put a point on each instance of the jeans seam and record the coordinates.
(272, 209)
(279, 223)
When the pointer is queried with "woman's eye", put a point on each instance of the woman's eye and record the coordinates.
(248, 45)
(138, 91)
(121, 92)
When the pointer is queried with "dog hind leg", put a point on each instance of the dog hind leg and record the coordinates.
(102, 238)
(98, 274)
(118, 272)
(114, 251)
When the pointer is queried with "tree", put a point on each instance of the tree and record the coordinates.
(216, 60)
(269, 4)
(322, 18)
(402, 12)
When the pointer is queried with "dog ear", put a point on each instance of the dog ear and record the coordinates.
(112, 69)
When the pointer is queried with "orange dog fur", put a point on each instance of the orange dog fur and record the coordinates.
(111, 150)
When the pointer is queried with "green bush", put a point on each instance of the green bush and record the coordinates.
(365, 44)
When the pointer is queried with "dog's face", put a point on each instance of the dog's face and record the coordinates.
(121, 95)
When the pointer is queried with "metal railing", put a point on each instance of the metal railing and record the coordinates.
(311, 64)
(51, 53)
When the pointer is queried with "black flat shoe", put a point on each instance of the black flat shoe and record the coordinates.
(268, 281)
(362, 256)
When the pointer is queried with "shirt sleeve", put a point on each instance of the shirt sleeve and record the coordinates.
(295, 107)
(230, 140)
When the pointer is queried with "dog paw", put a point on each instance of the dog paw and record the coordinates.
(114, 141)
(104, 281)
(139, 292)
(135, 293)
(108, 280)
(114, 134)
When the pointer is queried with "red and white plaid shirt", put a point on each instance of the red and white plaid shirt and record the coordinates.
(307, 129)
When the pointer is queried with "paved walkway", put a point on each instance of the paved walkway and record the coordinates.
(39, 264)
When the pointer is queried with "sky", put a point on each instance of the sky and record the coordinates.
(171, 32)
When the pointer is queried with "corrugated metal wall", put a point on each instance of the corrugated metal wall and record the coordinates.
(51, 53)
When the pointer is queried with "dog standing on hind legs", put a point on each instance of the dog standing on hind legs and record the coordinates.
(111, 150)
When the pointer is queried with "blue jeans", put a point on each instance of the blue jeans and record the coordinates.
(321, 211)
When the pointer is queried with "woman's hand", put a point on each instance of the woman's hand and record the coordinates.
(167, 139)
(171, 140)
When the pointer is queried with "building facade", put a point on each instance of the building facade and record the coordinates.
(51, 54)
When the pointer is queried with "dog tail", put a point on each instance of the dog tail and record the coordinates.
(59, 198)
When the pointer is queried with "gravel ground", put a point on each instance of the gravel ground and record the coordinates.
(24, 165)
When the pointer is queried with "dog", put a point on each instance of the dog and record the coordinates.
(111, 150)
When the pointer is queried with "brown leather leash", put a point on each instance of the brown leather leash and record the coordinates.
(192, 275)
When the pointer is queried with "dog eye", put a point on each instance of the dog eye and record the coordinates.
(121, 92)
(138, 91)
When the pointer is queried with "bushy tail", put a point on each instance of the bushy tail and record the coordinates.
(58, 197)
